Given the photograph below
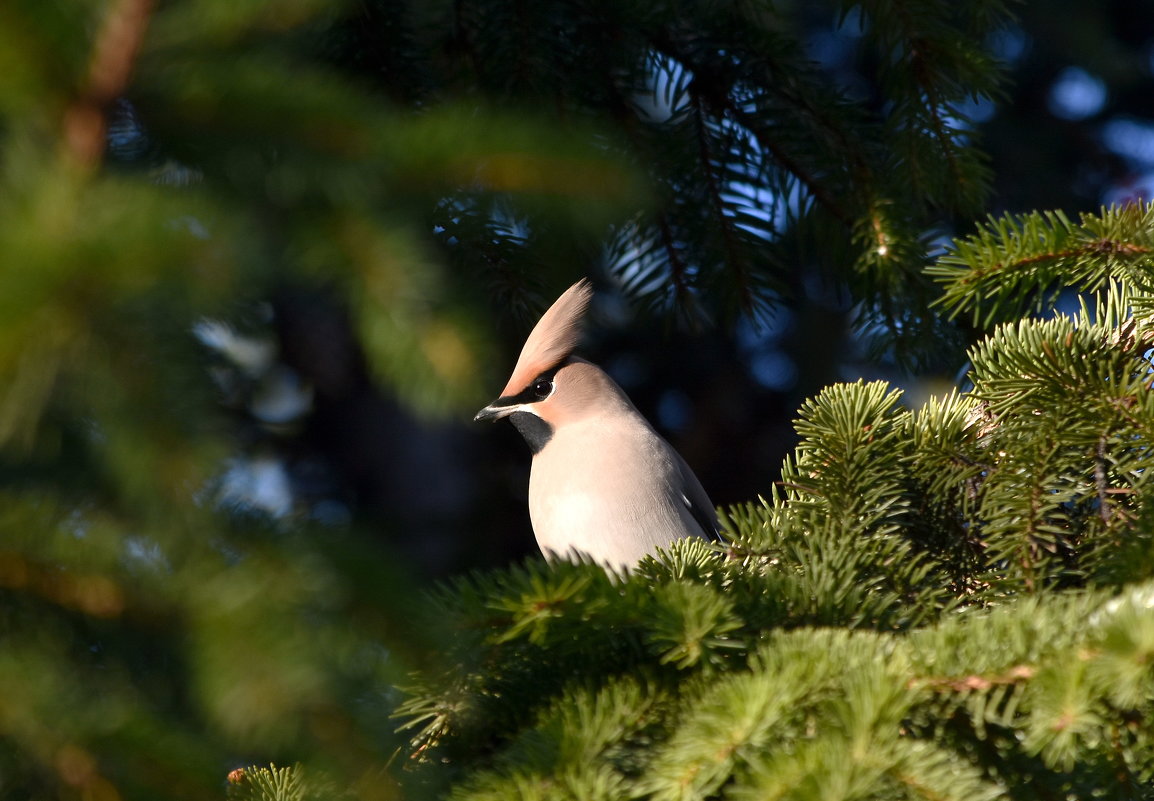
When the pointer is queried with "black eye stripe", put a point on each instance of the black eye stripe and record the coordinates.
(530, 394)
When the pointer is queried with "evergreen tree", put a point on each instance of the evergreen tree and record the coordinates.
(942, 600)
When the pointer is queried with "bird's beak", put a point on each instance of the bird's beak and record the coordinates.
(493, 412)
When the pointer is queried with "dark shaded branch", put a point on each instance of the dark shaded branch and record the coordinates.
(716, 90)
(732, 254)
(788, 163)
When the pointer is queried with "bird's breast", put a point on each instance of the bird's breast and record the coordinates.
(607, 489)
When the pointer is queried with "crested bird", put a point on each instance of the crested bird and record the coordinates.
(603, 483)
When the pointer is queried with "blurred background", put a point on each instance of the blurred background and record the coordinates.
(261, 262)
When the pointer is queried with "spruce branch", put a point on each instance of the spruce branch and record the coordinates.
(815, 187)
(960, 684)
(967, 708)
(1020, 263)
(929, 71)
(734, 260)
(678, 269)
(258, 783)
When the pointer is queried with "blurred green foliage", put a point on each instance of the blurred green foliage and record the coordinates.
(150, 637)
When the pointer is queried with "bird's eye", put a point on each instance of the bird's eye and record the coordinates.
(542, 388)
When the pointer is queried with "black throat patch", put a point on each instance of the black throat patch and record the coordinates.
(535, 430)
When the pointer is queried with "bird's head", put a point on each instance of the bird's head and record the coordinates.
(549, 386)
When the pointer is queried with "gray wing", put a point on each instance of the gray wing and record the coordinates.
(697, 501)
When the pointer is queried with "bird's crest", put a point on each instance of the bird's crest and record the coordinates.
(554, 337)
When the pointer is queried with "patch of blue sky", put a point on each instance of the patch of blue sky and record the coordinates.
(833, 48)
(674, 410)
(1131, 138)
(1010, 43)
(259, 484)
(937, 243)
(973, 111)
(145, 551)
(760, 344)
(774, 370)
(1076, 94)
(252, 354)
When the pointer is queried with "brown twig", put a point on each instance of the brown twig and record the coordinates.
(1014, 675)
(109, 69)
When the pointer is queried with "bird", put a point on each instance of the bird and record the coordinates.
(603, 484)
